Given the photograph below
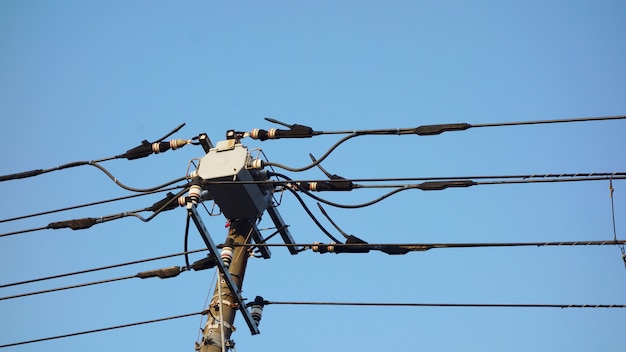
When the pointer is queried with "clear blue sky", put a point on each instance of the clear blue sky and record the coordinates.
(83, 80)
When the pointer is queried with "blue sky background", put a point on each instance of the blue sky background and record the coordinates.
(85, 80)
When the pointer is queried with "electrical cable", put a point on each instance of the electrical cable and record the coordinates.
(103, 329)
(581, 176)
(300, 131)
(308, 211)
(420, 247)
(449, 305)
(315, 163)
(132, 189)
(163, 273)
(146, 148)
(187, 223)
(611, 190)
(103, 268)
(67, 287)
(87, 205)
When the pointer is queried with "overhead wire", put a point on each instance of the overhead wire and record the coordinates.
(420, 247)
(449, 305)
(141, 151)
(84, 223)
(163, 273)
(107, 267)
(300, 131)
(48, 212)
(102, 329)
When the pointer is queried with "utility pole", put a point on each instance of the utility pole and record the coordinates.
(242, 203)
(222, 309)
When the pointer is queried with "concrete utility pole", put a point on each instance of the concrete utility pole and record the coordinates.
(222, 308)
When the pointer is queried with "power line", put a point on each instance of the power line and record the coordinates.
(403, 248)
(144, 149)
(67, 287)
(450, 305)
(163, 273)
(102, 268)
(168, 203)
(103, 329)
(88, 204)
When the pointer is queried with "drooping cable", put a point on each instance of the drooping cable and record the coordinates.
(449, 305)
(103, 329)
(133, 189)
(146, 148)
(611, 190)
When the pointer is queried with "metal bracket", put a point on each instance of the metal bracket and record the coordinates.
(204, 233)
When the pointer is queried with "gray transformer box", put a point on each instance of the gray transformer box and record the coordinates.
(229, 161)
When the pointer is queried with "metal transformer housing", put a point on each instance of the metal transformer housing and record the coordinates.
(229, 161)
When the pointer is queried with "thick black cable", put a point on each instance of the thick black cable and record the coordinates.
(132, 189)
(315, 163)
(541, 122)
(38, 172)
(113, 266)
(308, 211)
(581, 176)
(449, 305)
(166, 204)
(429, 130)
(66, 287)
(84, 223)
(427, 246)
(103, 329)
(88, 204)
(78, 224)
(187, 223)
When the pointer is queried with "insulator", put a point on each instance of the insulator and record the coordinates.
(256, 164)
(256, 310)
(178, 143)
(195, 192)
(323, 248)
(227, 256)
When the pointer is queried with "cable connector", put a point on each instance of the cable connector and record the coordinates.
(164, 273)
(294, 131)
(146, 148)
(76, 224)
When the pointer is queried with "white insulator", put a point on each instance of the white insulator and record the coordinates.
(254, 134)
(257, 313)
(227, 256)
(195, 192)
(155, 148)
(271, 134)
(256, 164)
